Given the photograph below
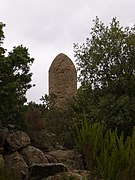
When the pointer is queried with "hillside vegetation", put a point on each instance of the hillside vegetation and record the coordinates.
(100, 121)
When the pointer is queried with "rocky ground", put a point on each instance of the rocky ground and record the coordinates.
(50, 162)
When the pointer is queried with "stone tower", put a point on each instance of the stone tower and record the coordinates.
(62, 79)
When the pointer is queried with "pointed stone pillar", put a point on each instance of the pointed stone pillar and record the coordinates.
(62, 79)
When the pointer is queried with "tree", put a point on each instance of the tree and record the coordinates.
(106, 65)
(15, 78)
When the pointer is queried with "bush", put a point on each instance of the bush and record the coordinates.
(34, 117)
(53, 119)
(59, 122)
(114, 156)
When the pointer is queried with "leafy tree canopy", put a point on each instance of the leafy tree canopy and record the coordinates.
(15, 78)
(106, 66)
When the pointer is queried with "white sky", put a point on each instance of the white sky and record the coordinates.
(49, 27)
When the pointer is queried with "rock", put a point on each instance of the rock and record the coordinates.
(62, 80)
(67, 175)
(17, 140)
(44, 140)
(1, 161)
(51, 159)
(49, 140)
(3, 134)
(16, 162)
(70, 158)
(33, 155)
(40, 171)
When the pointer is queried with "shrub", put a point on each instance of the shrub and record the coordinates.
(114, 156)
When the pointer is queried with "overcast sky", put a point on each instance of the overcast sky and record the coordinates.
(49, 27)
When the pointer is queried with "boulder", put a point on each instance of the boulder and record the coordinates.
(49, 140)
(33, 155)
(17, 140)
(67, 175)
(44, 140)
(40, 171)
(51, 159)
(71, 158)
(3, 134)
(16, 162)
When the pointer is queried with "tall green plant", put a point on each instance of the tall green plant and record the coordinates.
(88, 139)
(114, 155)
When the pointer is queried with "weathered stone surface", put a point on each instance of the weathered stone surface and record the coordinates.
(68, 175)
(16, 162)
(1, 161)
(40, 171)
(3, 133)
(17, 140)
(51, 159)
(33, 155)
(70, 158)
(49, 140)
(44, 140)
(62, 79)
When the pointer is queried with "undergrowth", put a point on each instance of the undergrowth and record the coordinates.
(112, 154)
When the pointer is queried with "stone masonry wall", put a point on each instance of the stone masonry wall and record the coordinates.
(62, 79)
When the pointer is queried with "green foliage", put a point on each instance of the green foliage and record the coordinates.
(87, 138)
(34, 117)
(114, 156)
(48, 101)
(106, 66)
(15, 78)
(58, 120)
(2, 50)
